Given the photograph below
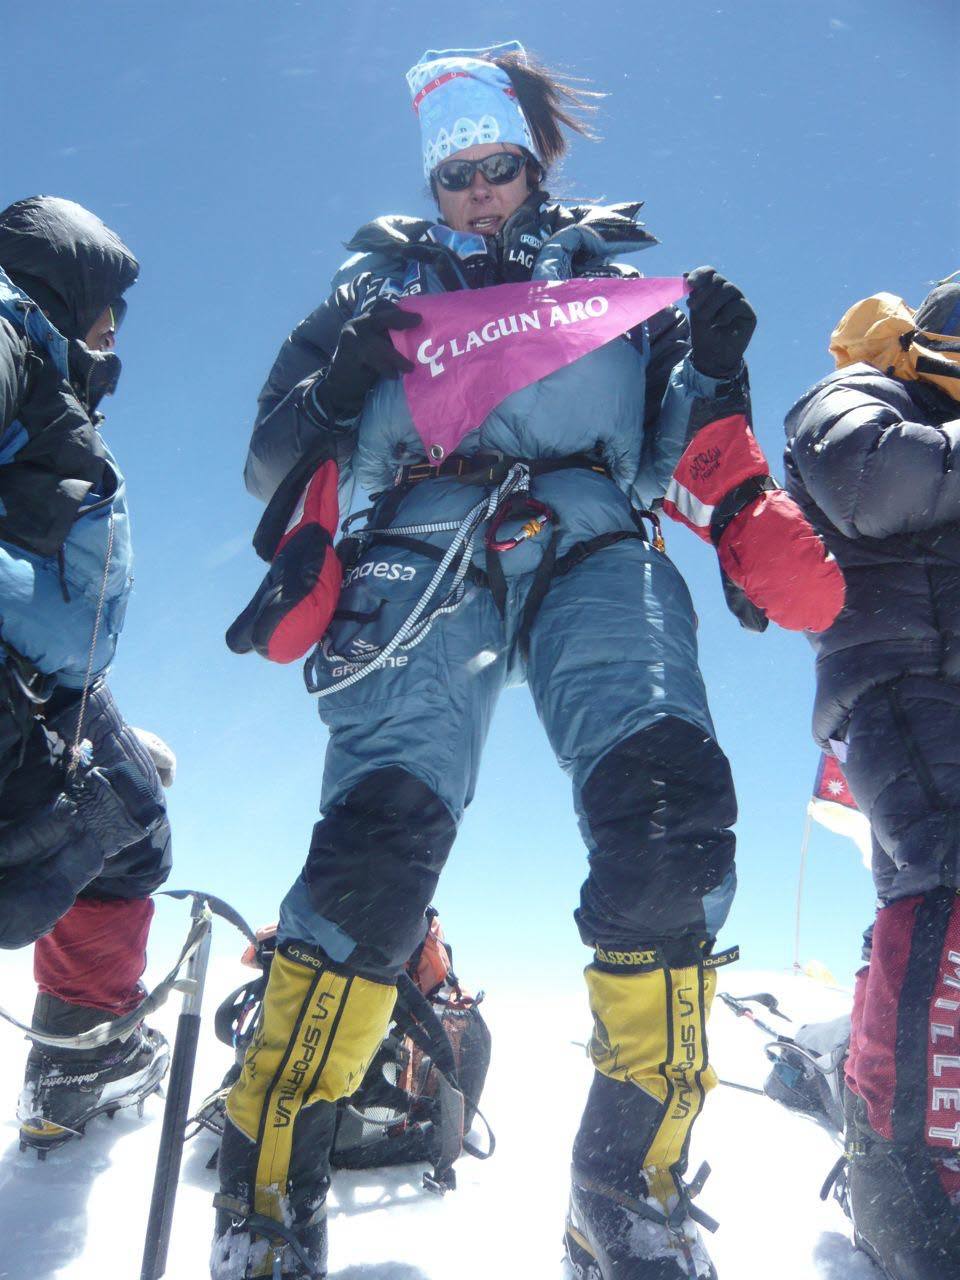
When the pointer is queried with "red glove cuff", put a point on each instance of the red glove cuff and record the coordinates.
(720, 457)
(296, 600)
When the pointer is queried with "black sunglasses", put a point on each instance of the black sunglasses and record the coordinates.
(498, 169)
(118, 309)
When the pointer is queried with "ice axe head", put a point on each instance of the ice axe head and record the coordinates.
(768, 1001)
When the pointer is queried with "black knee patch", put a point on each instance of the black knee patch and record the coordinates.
(659, 807)
(374, 862)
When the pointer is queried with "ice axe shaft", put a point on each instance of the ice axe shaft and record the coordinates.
(177, 1107)
(743, 1010)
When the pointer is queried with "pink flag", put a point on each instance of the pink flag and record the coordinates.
(477, 346)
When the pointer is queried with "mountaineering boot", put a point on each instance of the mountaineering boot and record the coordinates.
(63, 1089)
(631, 1215)
(612, 1236)
(320, 1028)
(248, 1244)
(903, 1217)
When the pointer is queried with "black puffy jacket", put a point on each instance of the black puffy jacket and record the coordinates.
(874, 462)
(71, 266)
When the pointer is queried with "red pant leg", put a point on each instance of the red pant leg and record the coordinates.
(905, 1060)
(943, 1043)
(856, 1022)
(95, 954)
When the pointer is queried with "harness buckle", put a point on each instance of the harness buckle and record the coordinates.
(415, 472)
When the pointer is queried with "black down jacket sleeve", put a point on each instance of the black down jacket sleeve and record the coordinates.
(869, 460)
(290, 421)
(13, 353)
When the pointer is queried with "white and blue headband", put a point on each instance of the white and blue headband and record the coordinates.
(462, 99)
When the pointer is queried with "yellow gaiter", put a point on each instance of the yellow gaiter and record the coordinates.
(319, 1031)
(650, 1031)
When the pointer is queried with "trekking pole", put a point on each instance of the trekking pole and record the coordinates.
(178, 1102)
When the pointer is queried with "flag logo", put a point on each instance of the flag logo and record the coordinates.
(460, 372)
(833, 806)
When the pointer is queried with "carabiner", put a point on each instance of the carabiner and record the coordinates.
(643, 513)
(541, 515)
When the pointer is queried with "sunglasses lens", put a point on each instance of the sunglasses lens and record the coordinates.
(502, 167)
(455, 175)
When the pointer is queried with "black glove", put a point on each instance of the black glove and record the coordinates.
(722, 322)
(521, 238)
(364, 353)
(750, 616)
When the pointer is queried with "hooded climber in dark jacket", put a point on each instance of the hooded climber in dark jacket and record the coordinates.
(84, 837)
(873, 459)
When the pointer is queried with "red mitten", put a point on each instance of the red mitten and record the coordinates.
(720, 457)
(295, 602)
(723, 491)
(771, 551)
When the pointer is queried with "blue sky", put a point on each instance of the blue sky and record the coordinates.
(802, 149)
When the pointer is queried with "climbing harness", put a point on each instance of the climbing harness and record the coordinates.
(510, 499)
(456, 559)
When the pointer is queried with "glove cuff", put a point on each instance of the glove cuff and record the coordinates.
(316, 405)
(706, 387)
(720, 458)
(737, 500)
(724, 375)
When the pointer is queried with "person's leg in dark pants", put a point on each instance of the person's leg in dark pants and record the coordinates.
(88, 966)
(903, 1072)
(400, 769)
(613, 668)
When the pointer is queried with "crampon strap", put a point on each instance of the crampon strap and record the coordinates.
(120, 1028)
(259, 1224)
(684, 1208)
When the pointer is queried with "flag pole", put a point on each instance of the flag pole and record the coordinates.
(805, 844)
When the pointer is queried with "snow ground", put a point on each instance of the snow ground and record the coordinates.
(81, 1214)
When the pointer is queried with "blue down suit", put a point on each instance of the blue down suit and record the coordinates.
(609, 652)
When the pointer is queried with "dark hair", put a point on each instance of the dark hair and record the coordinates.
(549, 100)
